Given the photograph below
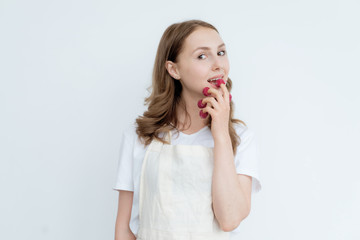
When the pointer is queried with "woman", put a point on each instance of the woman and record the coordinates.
(184, 173)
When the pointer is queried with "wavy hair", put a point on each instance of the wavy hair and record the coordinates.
(165, 97)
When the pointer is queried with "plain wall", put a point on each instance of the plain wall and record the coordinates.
(73, 75)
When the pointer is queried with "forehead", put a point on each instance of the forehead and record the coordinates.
(202, 37)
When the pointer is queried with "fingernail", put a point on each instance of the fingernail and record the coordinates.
(219, 81)
(200, 104)
(205, 91)
(202, 114)
(230, 97)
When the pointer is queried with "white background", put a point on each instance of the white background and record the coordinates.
(74, 74)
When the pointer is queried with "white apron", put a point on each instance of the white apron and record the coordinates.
(175, 200)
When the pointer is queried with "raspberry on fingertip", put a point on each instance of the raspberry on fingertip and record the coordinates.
(205, 91)
(203, 114)
(219, 82)
(200, 104)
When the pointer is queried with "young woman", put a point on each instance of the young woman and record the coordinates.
(187, 169)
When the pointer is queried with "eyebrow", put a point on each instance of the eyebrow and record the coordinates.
(207, 48)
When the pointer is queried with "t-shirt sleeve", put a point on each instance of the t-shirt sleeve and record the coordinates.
(247, 158)
(124, 177)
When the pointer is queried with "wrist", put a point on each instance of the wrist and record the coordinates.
(222, 136)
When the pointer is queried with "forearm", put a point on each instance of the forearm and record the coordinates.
(229, 201)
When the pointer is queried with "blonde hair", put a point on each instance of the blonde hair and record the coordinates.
(164, 99)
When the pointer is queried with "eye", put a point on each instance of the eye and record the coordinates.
(202, 56)
(223, 53)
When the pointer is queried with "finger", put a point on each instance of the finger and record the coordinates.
(204, 112)
(210, 101)
(201, 104)
(215, 93)
(219, 81)
(205, 91)
(225, 91)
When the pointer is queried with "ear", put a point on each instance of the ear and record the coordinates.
(172, 69)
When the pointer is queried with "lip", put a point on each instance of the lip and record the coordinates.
(217, 76)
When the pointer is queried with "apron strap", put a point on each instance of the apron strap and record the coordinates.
(156, 144)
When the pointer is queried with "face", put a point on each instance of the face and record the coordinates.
(202, 58)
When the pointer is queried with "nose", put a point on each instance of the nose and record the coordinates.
(217, 64)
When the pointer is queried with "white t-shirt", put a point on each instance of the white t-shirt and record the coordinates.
(132, 153)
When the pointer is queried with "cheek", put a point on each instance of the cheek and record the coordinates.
(228, 67)
(226, 64)
(199, 70)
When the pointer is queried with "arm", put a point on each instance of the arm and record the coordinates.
(231, 192)
(122, 228)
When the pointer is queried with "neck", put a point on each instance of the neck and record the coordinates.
(193, 122)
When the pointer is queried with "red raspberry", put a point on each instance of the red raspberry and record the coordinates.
(205, 91)
(202, 114)
(200, 104)
(219, 81)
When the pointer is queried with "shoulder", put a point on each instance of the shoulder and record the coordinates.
(247, 137)
(128, 133)
(130, 136)
(129, 130)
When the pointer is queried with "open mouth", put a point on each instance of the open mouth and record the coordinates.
(212, 81)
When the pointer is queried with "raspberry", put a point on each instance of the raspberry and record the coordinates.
(219, 81)
(205, 91)
(200, 104)
(202, 114)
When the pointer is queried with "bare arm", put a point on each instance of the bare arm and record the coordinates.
(231, 192)
(122, 227)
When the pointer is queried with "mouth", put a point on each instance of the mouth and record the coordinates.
(212, 81)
